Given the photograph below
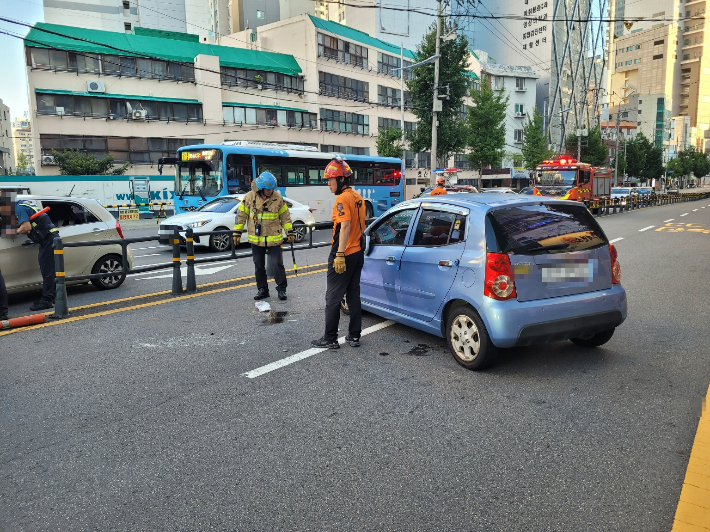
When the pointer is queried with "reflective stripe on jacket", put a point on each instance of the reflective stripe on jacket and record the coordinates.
(272, 213)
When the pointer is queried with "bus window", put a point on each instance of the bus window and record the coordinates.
(315, 176)
(362, 176)
(238, 173)
(270, 164)
(387, 176)
(199, 173)
(295, 175)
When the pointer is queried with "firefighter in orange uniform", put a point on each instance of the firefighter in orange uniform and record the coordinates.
(439, 189)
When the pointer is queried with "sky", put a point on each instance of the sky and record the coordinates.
(13, 82)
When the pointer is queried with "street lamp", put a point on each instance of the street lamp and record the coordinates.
(401, 92)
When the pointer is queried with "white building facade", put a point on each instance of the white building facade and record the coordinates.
(7, 156)
(23, 142)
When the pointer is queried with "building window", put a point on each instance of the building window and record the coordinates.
(389, 65)
(519, 109)
(384, 123)
(660, 56)
(341, 87)
(388, 96)
(518, 135)
(259, 14)
(348, 150)
(268, 117)
(461, 161)
(520, 84)
(343, 51)
(127, 26)
(240, 77)
(656, 43)
(424, 159)
(343, 122)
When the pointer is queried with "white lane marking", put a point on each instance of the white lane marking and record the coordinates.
(695, 210)
(616, 240)
(308, 353)
(669, 220)
(183, 271)
(647, 228)
(151, 247)
(686, 214)
(148, 255)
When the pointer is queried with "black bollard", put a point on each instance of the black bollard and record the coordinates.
(61, 304)
(191, 282)
(177, 277)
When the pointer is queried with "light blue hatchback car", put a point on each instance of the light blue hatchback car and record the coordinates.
(490, 271)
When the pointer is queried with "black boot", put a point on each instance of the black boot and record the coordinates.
(282, 295)
(263, 293)
(42, 304)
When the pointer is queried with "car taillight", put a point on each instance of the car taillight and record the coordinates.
(615, 266)
(118, 228)
(500, 283)
(310, 210)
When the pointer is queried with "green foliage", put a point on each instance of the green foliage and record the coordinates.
(389, 142)
(595, 153)
(688, 161)
(534, 148)
(654, 163)
(486, 126)
(451, 132)
(22, 163)
(75, 162)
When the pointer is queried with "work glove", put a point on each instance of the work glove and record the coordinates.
(237, 237)
(339, 262)
(291, 237)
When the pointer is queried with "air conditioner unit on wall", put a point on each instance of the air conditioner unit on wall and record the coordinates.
(95, 86)
(139, 114)
(48, 160)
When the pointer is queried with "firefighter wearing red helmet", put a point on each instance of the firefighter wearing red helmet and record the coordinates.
(347, 256)
(439, 189)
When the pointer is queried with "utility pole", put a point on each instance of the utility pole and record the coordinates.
(401, 97)
(616, 151)
(437, 103)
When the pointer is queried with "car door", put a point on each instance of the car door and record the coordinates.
(430, 262)
(77, 223)
(18, 262)
(380, 273)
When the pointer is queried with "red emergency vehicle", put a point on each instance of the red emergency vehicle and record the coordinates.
(565, 178)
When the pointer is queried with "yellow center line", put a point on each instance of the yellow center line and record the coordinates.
(144, 305)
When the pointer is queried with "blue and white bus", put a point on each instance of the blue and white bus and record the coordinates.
(207, 171)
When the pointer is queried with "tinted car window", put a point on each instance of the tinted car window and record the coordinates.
(392, 230)
(546, 228)
(221, 205)
(64, 213)
(436, 228)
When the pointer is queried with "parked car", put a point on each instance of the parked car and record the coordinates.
(501, 190)
(219, 215)
(489, 272)
(644, 190)
(78, 220)
(623, 193)
(453, 189)
(527, 191)
(673, 190)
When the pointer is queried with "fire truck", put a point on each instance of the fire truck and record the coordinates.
(565, 178)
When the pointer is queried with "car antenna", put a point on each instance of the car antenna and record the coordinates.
(72, 190)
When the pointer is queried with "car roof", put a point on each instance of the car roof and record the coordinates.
(39, 197)
(490, 199)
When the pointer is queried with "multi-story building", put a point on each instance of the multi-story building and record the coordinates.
(140, 96)
(517, 83)
(23, 142)
(251, 14)
(7, 158)
(555, 38)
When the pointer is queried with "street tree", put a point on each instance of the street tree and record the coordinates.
(654, 163)
(389, 142)
(486, 126)
(22, 164)
(700, 164)
(594, 153)
(534, 148)
(75, 162)
(451, 131)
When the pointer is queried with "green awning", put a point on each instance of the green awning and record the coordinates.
(359, 36)
(470, 74)
(116, 96)
(160, 45)
(259, 106)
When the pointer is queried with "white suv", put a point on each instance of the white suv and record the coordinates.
(78, 220)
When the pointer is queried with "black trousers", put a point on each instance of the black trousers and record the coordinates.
(344, 284)
(3, 296)
(277, 261)
(46, 266)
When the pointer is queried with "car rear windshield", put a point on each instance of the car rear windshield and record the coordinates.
(542, 228)
(220, 205)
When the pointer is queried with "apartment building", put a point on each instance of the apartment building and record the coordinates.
(517, 83)
(7, 157)
(142, 95)
(23, 142)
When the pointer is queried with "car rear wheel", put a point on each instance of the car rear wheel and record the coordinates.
(220, 242)
(299, 230)
(108, 264)
(594, 340)
(468, 339)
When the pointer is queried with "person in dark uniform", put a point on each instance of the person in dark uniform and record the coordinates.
(5, 214)
(3, 299)
(347, 256)
(42, 231)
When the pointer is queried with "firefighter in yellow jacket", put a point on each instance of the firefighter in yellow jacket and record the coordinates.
(266, 217)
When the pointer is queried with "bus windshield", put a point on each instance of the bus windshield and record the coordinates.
(199, 173)
(556, 178)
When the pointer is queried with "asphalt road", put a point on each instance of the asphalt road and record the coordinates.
(143, 419)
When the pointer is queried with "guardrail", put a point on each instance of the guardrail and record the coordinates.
(61, 307)
(606, 206)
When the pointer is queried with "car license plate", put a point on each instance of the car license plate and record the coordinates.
(566, 272)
